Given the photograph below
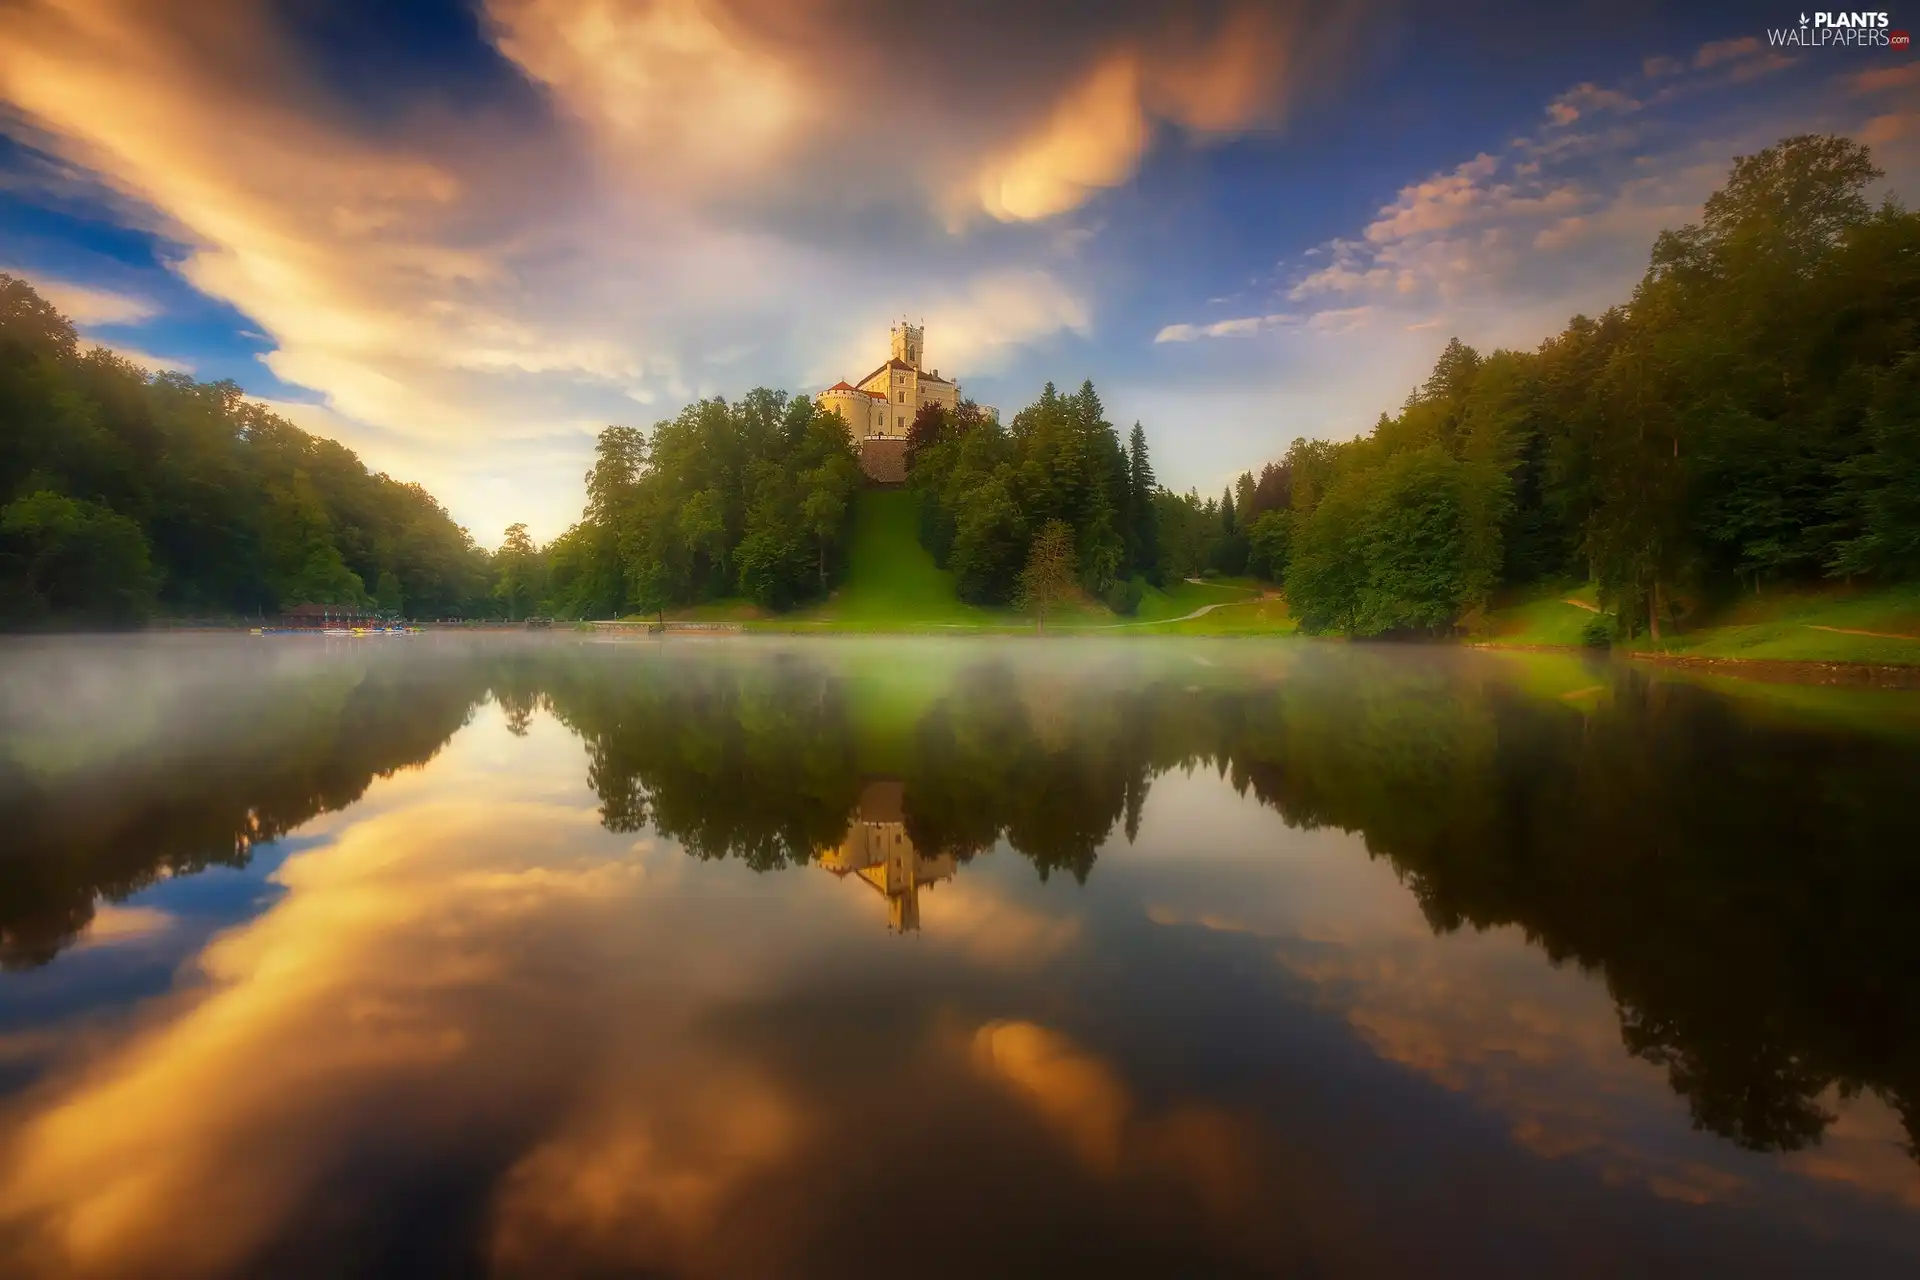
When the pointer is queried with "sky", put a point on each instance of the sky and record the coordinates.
(462, 236)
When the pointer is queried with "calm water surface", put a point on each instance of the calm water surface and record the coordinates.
(730, 958)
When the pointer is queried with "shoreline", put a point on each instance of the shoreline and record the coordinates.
(1885, 675)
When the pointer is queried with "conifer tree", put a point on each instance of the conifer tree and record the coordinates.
(1143, 514)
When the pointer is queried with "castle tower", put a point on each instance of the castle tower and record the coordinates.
(909, 343)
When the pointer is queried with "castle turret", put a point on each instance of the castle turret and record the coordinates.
(909, 343)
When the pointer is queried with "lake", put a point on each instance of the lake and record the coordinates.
(740, 957)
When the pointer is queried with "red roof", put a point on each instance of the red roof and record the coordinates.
(839, 386)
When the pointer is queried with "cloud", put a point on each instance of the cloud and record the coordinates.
(87, 306)
(1657, 67)
(1716, 52)
(1880, 79)
(979, 326)
(1587, 99)
(1344, 320)
(677, 83)
(1892, 127)
(1239, 327)
(1098, 130)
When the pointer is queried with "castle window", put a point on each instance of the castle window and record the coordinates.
(901, 396)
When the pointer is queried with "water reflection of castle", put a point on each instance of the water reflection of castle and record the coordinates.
(878, 850)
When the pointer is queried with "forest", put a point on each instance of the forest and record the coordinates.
(1750, 417)
(986, 494)
(750, 498)
(125, 495)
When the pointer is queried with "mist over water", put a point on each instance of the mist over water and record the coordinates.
(553, 957)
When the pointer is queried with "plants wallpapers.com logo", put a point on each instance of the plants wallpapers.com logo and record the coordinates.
(1849, 30)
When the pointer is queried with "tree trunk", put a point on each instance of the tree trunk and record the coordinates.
(1653, 613)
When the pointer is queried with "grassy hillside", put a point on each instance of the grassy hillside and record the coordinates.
(1880, 626)
(891, 579)
(892, 584)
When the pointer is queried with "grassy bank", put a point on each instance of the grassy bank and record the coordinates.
(1877, 627)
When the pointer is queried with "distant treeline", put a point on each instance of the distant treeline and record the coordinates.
(124, 494)
(1751, 416)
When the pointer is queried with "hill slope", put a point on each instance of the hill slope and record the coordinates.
(891, 579)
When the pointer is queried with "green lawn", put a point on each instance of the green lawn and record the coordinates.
(1807, 626)
(1801, 625)
(1545, 620)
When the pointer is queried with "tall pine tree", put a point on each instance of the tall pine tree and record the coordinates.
(1143, 517)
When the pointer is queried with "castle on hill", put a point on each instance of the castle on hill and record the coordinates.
(881, 406)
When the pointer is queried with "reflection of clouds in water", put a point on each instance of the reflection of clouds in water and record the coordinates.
(220, 1110)
(436, 961)
(112, 925)
(628, 1184)
(1082, 1099)
(1864, 1148)
(1484, 1015)
(980, 919)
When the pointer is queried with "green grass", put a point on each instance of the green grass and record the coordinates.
(1546, 620)
(1788, 626)
(1778, 626)
(1259, 616)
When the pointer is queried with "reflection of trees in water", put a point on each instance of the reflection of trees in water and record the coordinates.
(1745, 890)
(267, 751)
(1053, 780)
(730, 757)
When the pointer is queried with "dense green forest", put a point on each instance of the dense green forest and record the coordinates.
(986, 493)
(123, 495)
(750, 498)
(1750, 417)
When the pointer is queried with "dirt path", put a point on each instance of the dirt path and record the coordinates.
(1201, 612)
(1581, 604)
(1855, 631)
